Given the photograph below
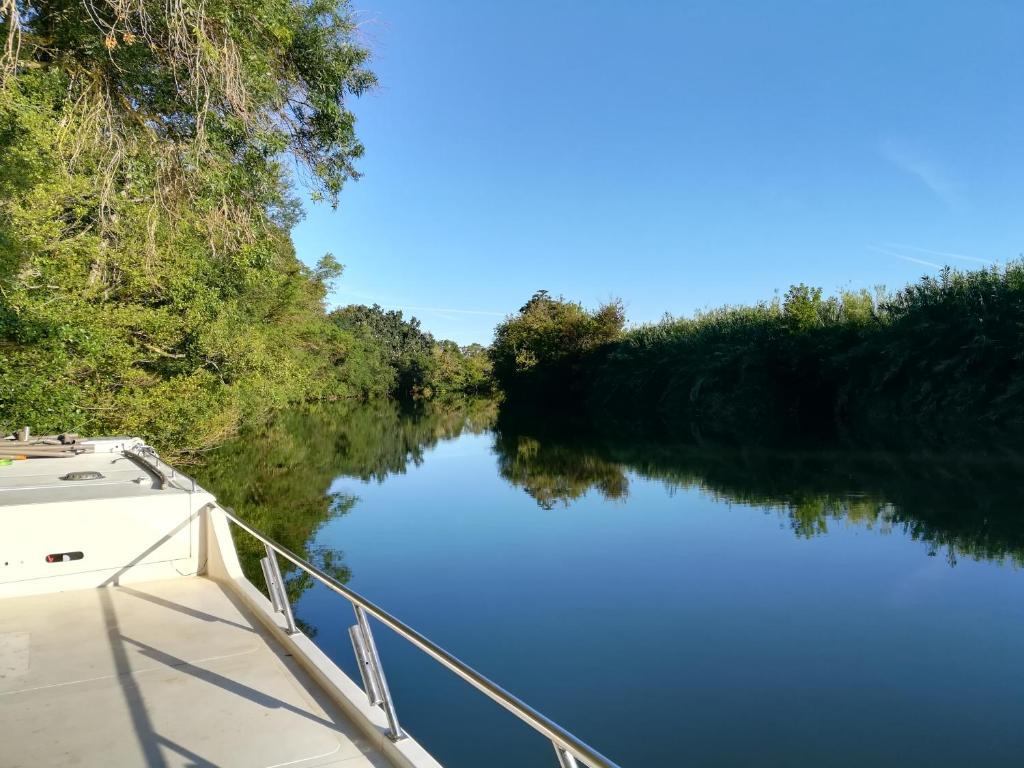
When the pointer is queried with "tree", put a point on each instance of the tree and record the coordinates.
(550, 332)
(422, 367)
(148, 282)
(407, 349)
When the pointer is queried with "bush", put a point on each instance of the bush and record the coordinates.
(940, 357)
(549, 334)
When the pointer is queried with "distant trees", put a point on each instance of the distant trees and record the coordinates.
(406, 349)
(417, 365)
(465, 369)
(550, 332)
(939, 355)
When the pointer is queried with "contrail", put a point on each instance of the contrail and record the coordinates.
(941, 253)
(905, 258)
(933, 176)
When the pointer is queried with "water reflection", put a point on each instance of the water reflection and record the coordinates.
(278, 475)
(737, 624)
(959, 505)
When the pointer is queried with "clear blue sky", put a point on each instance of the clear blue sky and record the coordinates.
(678, 155)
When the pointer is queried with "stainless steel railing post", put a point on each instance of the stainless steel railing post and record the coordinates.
(374, 682)
(275, 586)
(565, 759)
(571, 751)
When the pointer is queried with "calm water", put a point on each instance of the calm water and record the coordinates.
(671, 604)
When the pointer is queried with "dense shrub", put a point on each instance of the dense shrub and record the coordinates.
(148, 282)
(549, 337)
(940, 355)
(419, 366)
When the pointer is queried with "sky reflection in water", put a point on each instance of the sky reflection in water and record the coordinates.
(670, 603)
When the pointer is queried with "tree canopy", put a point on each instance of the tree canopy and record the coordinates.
(550, 332)
(149, 156)
(419, 365)
(940, 359)
(149, 153)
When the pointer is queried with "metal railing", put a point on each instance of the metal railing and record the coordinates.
(568, 748)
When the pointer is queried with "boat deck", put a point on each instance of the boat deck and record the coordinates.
(162, 673)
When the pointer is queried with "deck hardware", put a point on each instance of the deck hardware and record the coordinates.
(87, 475)
(64, 557)
(581, 753)
(565, 759)
(374, 682)
(365, 666)
(275, 586)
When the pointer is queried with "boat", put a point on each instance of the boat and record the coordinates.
(129, 634)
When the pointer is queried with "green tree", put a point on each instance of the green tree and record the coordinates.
(940, 359)
(421, 367)
(148, 283)
(407, 348)
(549, 332)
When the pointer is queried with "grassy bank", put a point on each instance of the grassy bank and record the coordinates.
(939, 357)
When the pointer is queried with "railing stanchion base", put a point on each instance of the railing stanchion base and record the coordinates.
(275, 585)
(374, 682)
(565, 759)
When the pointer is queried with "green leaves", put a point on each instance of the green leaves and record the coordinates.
(149, 284)
(551, 332)
(941, 355)
(416, 365)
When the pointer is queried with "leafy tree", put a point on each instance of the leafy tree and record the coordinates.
(940, 358)
(405, 346)
(466, 370)
(548, 332)
(422, 367)
(803, 307)
(148, 283)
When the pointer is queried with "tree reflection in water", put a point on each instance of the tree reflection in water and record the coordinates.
(962, 505)
(278, 475)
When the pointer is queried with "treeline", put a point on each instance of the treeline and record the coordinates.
(942, 358)
(400, 359)
(148, 281)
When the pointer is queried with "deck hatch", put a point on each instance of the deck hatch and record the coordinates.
(84, 475)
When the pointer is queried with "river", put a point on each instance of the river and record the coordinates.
(670, 602)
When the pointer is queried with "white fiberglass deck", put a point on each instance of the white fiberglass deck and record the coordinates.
(161, 673)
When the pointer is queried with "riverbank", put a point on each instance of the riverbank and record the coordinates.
(937, 362)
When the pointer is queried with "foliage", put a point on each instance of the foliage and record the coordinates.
(405, 347)
(463, 370)
(148, 283)
(933, 358)
(549, 334)
(421, 365)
